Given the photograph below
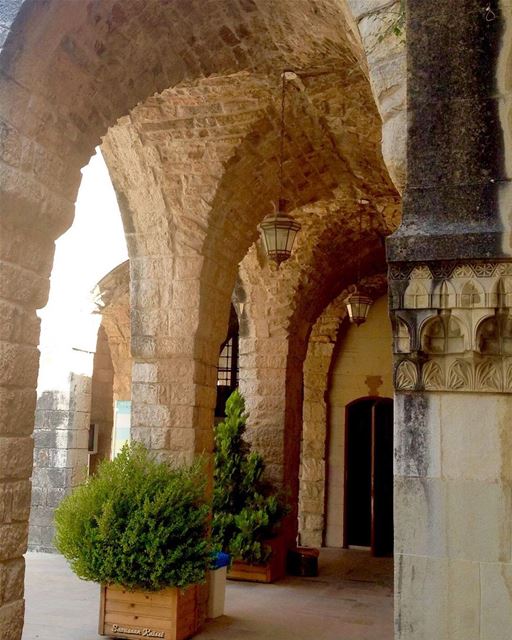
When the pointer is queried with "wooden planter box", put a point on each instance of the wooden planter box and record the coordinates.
(274, 569)
(170, 614)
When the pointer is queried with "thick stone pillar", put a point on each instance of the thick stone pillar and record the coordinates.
(25, 262)
(453, 438)
(263, 373)
(450, 283)
(179, 318)
(317, 365)
(271, 381)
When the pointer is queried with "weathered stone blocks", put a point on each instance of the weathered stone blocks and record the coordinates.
(437, 598)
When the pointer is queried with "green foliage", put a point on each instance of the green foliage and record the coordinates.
(397, 25)
(245, 511)
(137, 523)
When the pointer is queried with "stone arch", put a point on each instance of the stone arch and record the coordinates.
(309, 281)
(494, 335)
(318, 366)
(80, 67)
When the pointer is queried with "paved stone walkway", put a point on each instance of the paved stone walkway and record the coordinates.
(352, 599)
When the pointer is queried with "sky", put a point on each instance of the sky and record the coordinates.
(92, 247)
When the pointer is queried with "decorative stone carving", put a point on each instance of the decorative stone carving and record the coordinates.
(452, 326)
(472, 295)
(416, 296)
(460, 376)
(406, 376)
(402, 337)
(442, 334)
(432, 376)
(488, 376)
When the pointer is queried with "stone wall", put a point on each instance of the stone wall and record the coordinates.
(61, 457)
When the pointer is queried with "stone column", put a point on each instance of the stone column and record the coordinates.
(25, 262)
(102, 400)
(314, 429)
(450, 283)
(272, 383)
(179, 318)
(453, 443)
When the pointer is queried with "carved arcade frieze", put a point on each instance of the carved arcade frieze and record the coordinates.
(452, 327)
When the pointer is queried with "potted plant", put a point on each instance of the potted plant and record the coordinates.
(140, 529)
(246, 510)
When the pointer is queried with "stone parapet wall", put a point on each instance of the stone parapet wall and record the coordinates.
(60, 454)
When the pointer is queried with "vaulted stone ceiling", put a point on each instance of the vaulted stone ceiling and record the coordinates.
(196, 169)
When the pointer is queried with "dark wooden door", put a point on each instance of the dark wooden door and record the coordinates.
(368, 505)
(358, 474)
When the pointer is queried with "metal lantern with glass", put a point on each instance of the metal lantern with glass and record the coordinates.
(358, 304)
(278, 230)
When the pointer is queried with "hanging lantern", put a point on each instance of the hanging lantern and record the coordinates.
(358, 306)
(278, 231)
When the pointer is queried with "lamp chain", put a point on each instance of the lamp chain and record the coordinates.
(281, 142)
(359, 252)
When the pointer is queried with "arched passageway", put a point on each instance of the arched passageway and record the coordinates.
(185, 101)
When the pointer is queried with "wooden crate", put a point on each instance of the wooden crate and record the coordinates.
(274, 569)
(171, 614)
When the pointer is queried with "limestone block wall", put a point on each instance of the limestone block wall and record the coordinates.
(362, 366)
(61, 459)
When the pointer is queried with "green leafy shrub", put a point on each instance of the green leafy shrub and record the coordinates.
(137, 523)
(245, 510)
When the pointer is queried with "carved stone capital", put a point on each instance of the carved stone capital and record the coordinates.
(452, 326)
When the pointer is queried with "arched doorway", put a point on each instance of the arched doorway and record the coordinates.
(368, 503)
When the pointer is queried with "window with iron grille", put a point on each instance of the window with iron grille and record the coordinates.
(227, 371)
(227, 374)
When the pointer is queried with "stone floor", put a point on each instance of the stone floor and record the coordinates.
(352, 599)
